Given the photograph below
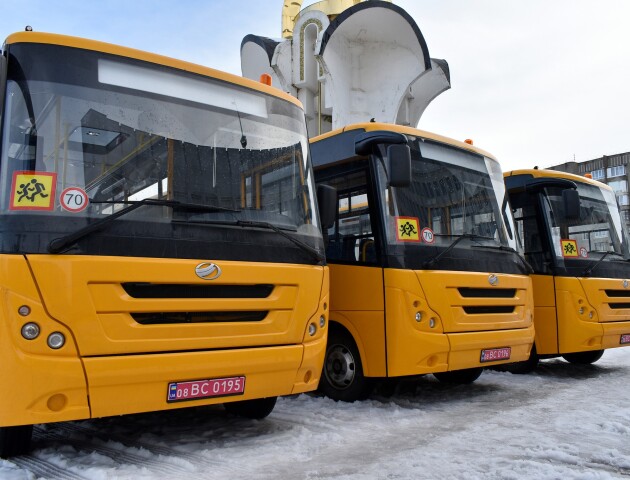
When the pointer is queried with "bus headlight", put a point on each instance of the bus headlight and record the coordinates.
(312, 329)
(30, 331)
(56, 340)
(322, 321)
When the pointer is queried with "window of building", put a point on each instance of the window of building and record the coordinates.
(616, 171)
(598, 174)
(619, 186)
(623, 199)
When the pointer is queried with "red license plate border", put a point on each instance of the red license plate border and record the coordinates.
(174, 385)
(484, 359)
(624, 339)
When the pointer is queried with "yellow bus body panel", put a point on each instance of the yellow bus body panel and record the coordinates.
(88, 293)
(40, 384)
(601, 324)
(112, 365)
(357, 303)
(444, 294)
(414, 347)
(545, 320)
(124, 384)
(391, 342)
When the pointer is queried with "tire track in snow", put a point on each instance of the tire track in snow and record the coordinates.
(45, 469)
(118, 455)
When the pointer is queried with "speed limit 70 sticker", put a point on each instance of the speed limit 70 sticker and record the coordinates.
(74, 199)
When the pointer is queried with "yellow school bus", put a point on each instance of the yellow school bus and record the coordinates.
(577, 244)
(159, 238)
(425, 276)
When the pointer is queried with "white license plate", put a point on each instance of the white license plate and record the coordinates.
(214, 387)
(495, 354)
(624, 339)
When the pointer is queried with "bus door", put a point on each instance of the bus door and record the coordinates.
(356, 275)
(534, 238)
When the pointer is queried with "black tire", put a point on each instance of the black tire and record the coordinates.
(528, 366)
(459, 377)
(342, 375)
(255, 409)
(583, 358)
(15, 440)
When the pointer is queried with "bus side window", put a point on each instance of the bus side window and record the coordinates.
(351, 238)
(529, 232)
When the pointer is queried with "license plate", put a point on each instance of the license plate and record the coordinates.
(214, 387)
(494, 354)
(625, 339)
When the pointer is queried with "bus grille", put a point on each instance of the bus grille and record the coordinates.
(164, 290)
(161, 318)
(487, 292)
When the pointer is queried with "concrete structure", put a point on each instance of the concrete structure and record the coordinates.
(610, 169)
(349, 61)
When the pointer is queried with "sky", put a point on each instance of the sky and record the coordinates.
(534, 82)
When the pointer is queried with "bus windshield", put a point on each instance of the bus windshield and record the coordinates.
(599, 228)
(85, 137)
(455, 196)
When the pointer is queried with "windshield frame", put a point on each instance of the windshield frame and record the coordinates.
(458, 249)
(596, 202)
(307, 223)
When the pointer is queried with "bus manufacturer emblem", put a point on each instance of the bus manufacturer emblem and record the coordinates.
(625, 284)
(493, 279)
(208, 271)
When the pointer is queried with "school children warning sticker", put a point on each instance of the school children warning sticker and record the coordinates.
(73, 199)
(407, 229)
(33, 191)
(569, 248)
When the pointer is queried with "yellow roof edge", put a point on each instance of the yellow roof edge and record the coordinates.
(371, 126)
(110, 48)
(547, 173)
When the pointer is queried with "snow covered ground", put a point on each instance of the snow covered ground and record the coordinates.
(562, 422)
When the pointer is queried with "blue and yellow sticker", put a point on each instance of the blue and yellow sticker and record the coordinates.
(33, 190)
(407, 229)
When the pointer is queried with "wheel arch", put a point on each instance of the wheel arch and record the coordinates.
(341, 323)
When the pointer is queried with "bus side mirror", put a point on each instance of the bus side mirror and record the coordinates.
(571, 200)
(399, 168)
(327, 204)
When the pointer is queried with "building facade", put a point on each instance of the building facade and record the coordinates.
(610, 169)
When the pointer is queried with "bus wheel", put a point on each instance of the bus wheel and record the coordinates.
(342, 378)
(528, 366)
(255, 409)
(15, 440)
(459, 377)
(583, 358)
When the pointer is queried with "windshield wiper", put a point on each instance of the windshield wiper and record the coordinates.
(587, 271)
(432, 261)
(307, 248)
(59, 244)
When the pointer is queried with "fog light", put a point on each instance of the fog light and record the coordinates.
(30, 331)
(581, 310)
(24, 310)
(312, 328)
(56, 340)
(432, 323)
(418, 316)
(322, 321)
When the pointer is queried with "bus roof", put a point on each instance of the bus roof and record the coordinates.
(538, 173)
(371, 126)
(85, 44)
